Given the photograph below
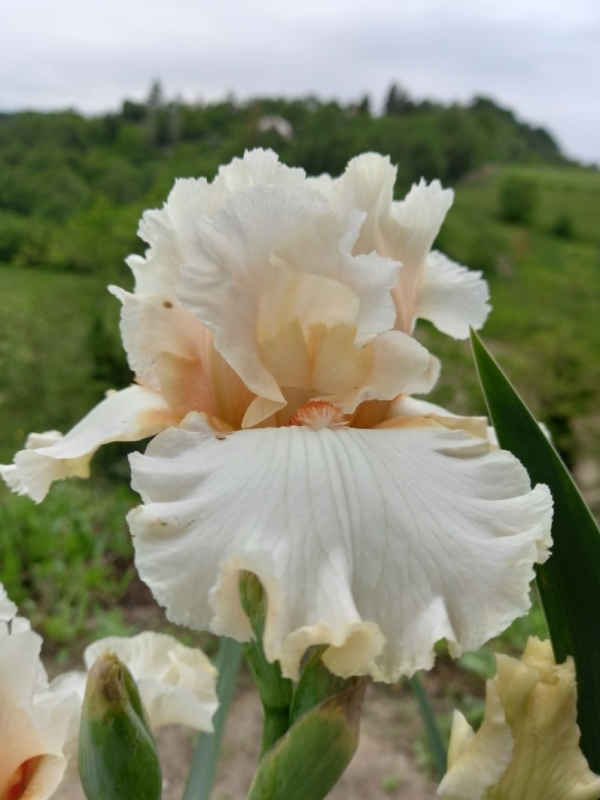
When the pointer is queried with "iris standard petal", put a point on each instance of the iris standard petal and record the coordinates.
(429, 285)
(452, 297)
(377, 542)
(270, 268)
(171, 230)
(172, 352)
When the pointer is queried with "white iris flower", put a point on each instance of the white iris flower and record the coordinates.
(270, 332)
(176, 683)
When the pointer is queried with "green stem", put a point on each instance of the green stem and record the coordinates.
(275, 691)
(275, 694)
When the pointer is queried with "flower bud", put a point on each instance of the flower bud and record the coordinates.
(117, 753)
(307, 762)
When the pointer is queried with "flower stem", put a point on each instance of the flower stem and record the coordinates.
(275, 691)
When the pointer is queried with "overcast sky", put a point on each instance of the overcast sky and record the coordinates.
(539, 57)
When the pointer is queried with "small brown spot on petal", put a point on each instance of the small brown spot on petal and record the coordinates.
(168, 304)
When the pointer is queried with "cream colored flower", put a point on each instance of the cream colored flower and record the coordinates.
(264, 333)
(33, 723)
(528, 744)
(177, 684)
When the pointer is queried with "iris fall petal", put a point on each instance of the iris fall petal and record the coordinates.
(375, 542)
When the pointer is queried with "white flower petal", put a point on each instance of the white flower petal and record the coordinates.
(452, 297)
(176, 683)
(172, 352)
(326, 248)
(429, 286)
(419, 216)
(126, 416)
(368, 185)
(414, 224)
(8, 609)
(360, 537)
(11, 624)
(171, 231)
(255, 168)
(398, 364)
(224, 282)
(270, 261)
(410, 407)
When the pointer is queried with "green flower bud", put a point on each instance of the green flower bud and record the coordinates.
(117, 753)
(307, 762)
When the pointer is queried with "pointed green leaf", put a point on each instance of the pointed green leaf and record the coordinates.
(435, 740)
(307, 762)
(204, 763)
(569, 582)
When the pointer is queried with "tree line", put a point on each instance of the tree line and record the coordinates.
(66, 179)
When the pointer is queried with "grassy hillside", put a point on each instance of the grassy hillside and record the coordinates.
(545, 287)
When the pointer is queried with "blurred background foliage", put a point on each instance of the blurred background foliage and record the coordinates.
(71, 192)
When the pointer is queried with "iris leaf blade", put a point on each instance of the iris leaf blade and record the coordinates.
(569, 582)
(433, 734)
(204, 761)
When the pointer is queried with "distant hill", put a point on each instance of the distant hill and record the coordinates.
(66, 179)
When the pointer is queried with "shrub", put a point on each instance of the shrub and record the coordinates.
(518, 199)
(563, 225)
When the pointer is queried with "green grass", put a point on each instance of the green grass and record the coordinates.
(47, 369)
(68, 561)
(569, 190)
(545, 293)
